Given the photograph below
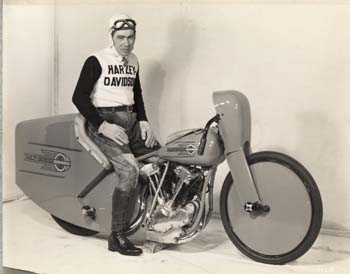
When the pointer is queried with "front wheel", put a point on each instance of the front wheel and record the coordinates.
(294, 221)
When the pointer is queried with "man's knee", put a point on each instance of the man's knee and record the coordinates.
(125, 187)
(130, 173)
(126, 168)
(130, 158)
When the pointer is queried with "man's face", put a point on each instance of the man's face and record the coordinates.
(123, 41)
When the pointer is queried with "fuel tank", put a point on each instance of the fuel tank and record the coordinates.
(182, 147)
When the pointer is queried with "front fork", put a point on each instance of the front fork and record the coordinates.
(244, 182)
(235, 128)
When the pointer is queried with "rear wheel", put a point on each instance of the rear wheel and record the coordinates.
(293, 223)
(74, 229)
(137, 213)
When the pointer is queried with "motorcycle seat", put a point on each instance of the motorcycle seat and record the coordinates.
(87, 143)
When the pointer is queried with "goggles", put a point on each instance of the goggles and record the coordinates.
(124, 24)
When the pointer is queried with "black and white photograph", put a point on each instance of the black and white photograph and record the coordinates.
(176, 136)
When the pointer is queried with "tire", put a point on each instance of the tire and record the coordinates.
(74, 229)
(294, 221)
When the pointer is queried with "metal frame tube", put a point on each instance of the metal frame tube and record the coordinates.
(158, 190)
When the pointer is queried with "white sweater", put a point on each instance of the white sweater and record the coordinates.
(115, 85)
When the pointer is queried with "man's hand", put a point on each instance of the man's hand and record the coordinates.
(147, 134)
(114, 132)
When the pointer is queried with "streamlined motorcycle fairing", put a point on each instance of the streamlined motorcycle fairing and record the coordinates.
(52, 169)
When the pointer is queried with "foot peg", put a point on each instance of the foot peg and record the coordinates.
(89, 212)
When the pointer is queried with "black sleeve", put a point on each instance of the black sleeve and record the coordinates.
(139, 106)
(90, 73)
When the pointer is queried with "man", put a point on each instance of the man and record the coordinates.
(108, 94)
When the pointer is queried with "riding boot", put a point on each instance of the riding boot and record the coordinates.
(117, 240)
(131, 207)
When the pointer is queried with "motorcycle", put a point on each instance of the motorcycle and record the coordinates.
(270, 205)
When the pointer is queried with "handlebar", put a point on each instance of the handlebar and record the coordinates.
(203, 140)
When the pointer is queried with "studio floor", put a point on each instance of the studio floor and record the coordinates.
(34, 242)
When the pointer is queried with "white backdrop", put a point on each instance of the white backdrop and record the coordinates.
(291, 60)
(28, 76)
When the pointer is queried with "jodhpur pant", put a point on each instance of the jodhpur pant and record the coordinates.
(122, 158)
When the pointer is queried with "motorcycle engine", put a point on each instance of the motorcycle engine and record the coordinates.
(181, 198)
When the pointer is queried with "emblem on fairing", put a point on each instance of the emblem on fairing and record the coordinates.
(50, 160)
(191, 149)
(184, 149)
